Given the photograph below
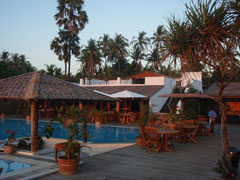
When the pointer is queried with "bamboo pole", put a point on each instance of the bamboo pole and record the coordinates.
(34, 125)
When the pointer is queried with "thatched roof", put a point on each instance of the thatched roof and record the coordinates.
(40, 86)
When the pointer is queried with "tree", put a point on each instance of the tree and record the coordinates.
(136, 55)
(90, 58)
(209, 37)
(118, 50)
(103, 44)
(141, 42)
(158, 36)
(64, 46)
(50, 69)
(72, 18)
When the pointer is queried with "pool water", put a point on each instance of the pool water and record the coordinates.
(97, 134)
(9, 166)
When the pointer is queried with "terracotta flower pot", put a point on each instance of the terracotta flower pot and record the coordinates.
(68, 166)
(9, 149)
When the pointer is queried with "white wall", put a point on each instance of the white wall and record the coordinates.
(155, 101)
(154, 80)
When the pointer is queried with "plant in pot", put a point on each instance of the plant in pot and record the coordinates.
(68, 163)
(142, 121)
(98, 115)
(9, 148)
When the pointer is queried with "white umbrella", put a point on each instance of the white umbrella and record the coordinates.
(127, 94)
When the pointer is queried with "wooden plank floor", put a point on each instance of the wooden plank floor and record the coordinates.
(187, 162)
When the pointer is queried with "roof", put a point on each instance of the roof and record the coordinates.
(40, 86)
(146, 90)
(127, 94)
(189, 95)
(145, 74)
(231, 91)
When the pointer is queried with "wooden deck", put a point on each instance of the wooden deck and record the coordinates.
(187, 162)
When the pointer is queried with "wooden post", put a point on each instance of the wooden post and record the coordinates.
(80, 105)
(117, 106)
(108, 106)
(34, 125)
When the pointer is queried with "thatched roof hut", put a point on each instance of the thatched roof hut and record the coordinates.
(35, 87)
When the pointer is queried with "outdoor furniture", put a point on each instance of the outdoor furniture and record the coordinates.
(61, 147)
(180, 127)
(170, 137)
(153, 140)
(202, 129)
(166, 132)
(143, 136)
(132, 117)
(190, 121)
(191, 135)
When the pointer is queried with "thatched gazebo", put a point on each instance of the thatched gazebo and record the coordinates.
(36, 87)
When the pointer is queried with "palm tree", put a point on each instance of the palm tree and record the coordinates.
(158, 36)
(136, 55)
(90, 58)
(50, 69)
(72, 18)
(4, 56)
(64, 46)
(208, 37)
(154, 59)
(141, 42)
(118, 50)
(103, 44)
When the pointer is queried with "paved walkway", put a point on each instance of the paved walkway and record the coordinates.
(187, 162)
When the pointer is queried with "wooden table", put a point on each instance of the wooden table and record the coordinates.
(203, 128)
(166, 133)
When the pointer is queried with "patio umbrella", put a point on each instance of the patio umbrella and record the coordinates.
(127, 94)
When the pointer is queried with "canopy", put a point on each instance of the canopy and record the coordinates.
(189, 95)
(127, 94)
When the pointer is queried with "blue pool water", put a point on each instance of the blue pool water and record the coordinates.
(9, 166)
(97, 134)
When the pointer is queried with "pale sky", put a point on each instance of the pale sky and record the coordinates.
(28, 26)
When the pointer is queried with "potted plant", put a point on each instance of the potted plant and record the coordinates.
(68, 163)
(98, 116)
(9, 148)
(142, 121)
(225, 169)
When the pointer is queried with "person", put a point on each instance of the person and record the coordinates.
(212, 119)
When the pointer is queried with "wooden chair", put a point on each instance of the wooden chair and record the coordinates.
(190, 121)
(191, 135)
(153, 139)
(170, 137)
(132, 117)
(144, 137)
(180, 136)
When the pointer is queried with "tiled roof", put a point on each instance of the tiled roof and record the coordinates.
(232, 90)
(40, 86)
(146, 90)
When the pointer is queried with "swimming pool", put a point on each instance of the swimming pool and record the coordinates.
(97, 134)
(9, 166)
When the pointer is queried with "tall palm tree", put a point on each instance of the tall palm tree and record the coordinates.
(208, 37)
(136, 55)
(103, 43)
(141, 42)
(90, 58)
(118, 50)
(154, 59)
(158, 36)
(64, 46)
(72, 18)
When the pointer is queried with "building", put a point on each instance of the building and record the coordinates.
(145, 83)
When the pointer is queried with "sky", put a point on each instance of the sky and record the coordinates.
(28, 26)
